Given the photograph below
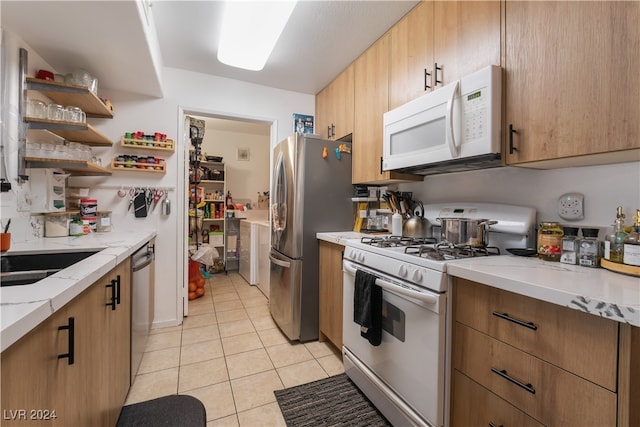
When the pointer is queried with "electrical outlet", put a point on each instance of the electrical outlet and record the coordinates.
(571, 206)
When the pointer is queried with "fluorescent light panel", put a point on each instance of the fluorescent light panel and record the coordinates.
(250, 30)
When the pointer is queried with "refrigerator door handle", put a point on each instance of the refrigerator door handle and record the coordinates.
(281, 263)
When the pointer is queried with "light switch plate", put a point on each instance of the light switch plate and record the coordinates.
(571, 206)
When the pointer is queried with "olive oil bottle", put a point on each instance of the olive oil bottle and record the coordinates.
(614, 241)
(631, 255)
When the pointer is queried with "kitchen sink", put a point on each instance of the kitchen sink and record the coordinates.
(30, 268)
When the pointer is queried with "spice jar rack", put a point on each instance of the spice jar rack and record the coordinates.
(146, 144)
(139, 164)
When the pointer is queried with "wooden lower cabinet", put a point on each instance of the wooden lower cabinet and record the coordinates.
(521, 361)
(330, 285)
(475, 406)
(545, 392)
(40, 388)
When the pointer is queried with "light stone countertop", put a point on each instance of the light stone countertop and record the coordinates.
(26, 306)
(593, 290)
(341, 237)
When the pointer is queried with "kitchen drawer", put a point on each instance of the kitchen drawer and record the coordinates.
(555, 396)
(475, 406)
(573, 340)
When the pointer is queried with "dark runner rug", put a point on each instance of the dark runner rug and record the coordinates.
(333, 401)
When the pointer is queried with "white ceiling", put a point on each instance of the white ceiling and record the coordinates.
(112, 41)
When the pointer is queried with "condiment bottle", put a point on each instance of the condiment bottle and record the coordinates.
(590, 250)
(570, 244)
(614, 241)
(631, 245)
(550, 241)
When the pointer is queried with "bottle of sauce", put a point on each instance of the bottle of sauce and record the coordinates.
(550, 241)
(229, 200)
(631, 245)
(614, 241)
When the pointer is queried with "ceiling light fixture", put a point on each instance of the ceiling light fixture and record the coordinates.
(250, 30)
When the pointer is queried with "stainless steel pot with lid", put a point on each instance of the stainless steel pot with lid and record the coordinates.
(465, 231)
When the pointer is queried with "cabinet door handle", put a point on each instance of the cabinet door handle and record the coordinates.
(426, 83)
(118, 290)
(436, 68)
(381, 171)
(333, 130)
(493, 425)
(503, 374)
(328, 131)
(505, 316)
(112, 285)
(512, 131)
(70, 355)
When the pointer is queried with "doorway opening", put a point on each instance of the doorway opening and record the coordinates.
(236, 156)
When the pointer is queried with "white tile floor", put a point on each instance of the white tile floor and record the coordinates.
(230, 354)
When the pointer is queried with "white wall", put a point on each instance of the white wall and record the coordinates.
(243, 178)
(604, 188)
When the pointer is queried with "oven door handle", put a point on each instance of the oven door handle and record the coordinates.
(426, 298)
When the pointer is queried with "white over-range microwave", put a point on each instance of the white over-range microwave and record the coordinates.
(454, 128)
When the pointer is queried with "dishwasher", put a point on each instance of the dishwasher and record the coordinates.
(142, 285)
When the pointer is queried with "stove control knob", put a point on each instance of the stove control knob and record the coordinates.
(417, 276)
(361, 257)
(402, 271)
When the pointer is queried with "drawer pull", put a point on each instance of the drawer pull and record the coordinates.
(505, 316)
(70, 354)
(503, 374)
(493, 425)
(112, 285)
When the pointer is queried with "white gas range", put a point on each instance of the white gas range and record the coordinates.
(405, 375)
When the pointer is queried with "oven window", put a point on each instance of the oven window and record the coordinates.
(393, 320)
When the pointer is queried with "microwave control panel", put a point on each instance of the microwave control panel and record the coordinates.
(474, 117)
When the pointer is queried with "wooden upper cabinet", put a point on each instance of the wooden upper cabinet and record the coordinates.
(411, 55)
(466, 37)
(572, 82)
(371, 102)
(334, 107)
(460, 37)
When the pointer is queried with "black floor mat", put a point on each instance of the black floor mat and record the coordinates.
(333, 401)
(174, 410)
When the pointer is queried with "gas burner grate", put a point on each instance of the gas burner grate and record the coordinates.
(396, 241)
(446, 251)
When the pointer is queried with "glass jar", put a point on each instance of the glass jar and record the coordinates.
(590, 251)
(550, 241)
(104, 222)
(570, 244)
(56, 224)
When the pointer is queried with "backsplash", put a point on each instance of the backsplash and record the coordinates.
(604, 188)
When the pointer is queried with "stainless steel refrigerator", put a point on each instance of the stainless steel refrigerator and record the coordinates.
(311, 193)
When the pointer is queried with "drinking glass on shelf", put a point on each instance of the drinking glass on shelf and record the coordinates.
(60, 151)
(55, 112)
(74, 114)
(36, 109)
(46, 150)
(33, 149)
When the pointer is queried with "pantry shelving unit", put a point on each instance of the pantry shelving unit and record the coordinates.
(83, 133)
(215, 216)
